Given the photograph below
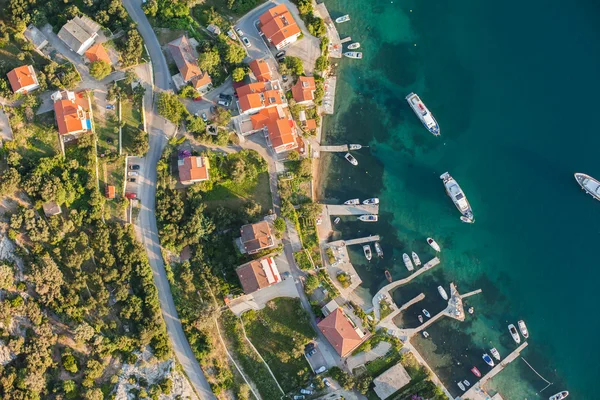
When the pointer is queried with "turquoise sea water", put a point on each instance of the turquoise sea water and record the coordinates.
(514, 86)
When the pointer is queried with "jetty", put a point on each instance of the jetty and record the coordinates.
(346, 39)
(335, 45)
(329, 96)
(342, 148)
(359, 209)
(363, 240)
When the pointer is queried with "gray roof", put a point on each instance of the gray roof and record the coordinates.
(35, 36)
(78, 30)
(391, 381)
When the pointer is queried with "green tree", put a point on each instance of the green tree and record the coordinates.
(311, 283)
(234, 53)
(151, 8)
(69, 362)
(321, 64)
(69, 386)
(294, 65)
(139, 144)
(209, 60)
(279, 224)
(171, 108)
(188, 91)
(195, 124)
(238, 74)
(222, 116)
(130, 77)
(6, 276)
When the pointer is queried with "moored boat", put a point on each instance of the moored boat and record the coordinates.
(416, 259)
(471, 310)
(443, 293)
(353, 54)
(476, 372)
(467, 383)
(354, 46)
(367, 251)
(523, 328)
(461, 386)
(351, 159)
(352, 202)
(368, 218)
(589, 184)
(423, 113)
(407, 263)
(426, 313)
(371, 201)
(495, 353)
(488, 360)
(336, 220)
(378, 250)
(514, 333)
(388, 276)
(458, 197)
(355, 146)
(560, 395)
(343, 18)
(425, 334)
(420, 317)
(433, 244)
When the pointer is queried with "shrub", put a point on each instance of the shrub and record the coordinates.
(100, 69)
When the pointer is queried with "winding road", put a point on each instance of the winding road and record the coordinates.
(159, 130)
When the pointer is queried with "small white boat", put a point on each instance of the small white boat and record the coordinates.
(368, 218)
(495, 353)
(420, 317)
(488, 360)
(443, 293)
(560, 396)
(471, 310)
(433, 244)
(355, 146)
(351, 159)
(461, 386)
(514, 333)
(353, 54)
(371, 201)
(467, 383)
(352, 202)
(337, 220)
(407, 263)
(353, 46)
(367, 251)
(425, 334)
(378, 250)
(426, 313)
(523, 329)
(416, 259)
(343, 18)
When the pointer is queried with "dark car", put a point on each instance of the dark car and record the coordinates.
(281, 60)
(131, 180)
(134, 167)
(280, 54)
(309, 347)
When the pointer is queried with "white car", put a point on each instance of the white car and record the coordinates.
(321, 370)
(239, 32)
(132, 173)
(246, 41)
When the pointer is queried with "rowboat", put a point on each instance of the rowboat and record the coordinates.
(476, 372)
(407, 263)
(388, 276)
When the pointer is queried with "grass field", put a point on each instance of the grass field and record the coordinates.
(39, 140)
(234, 195)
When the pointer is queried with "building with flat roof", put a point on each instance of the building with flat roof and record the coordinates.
(258, 274)
(79, 34)
(279, 27)
(392, 380)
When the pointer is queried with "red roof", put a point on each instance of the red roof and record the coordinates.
(278, 24)
(340, 332)
(193, 169)
(260, 69)
(201, 80)
(304, 89)
(185, 57)
(249, 95)
(97, 52)
(310, 124)
(280, 128)
(21, 77)
(70, 117)
(258, 274)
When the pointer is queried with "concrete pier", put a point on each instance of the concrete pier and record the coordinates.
(361, 209)
(363, 240)
(474, 292)
(335, 45)
(342, 148)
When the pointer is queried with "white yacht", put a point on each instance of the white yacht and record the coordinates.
(461, 386)
(495, 353)
(343, 18)
(351, 159)
(368, 218)
(514, 333)
(416, 259)
(353, 46)
(353, 54)
(355, 146)
(442, 292)
(423, 113)
(560, 395)
(378, 250)
(371, 201)
(589, 184)
(523, 329)
(458, 197)
(433, 244)
(352, 202)
(426, 313)
(367, 251)
(407, 263)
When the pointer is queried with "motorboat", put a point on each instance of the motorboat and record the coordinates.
(495, 353)
(458, 197)
(343, 18)
(388, 276)
(351, 159)
(368, 218)
(560, 395)
(476, 372)
(461, 386)
(352, 202)
(488, 360)
(416, 259)
(471, 310)
(523, 328)
(420, 317)
(354, 46)
(355, 146)
(423, 113)
(433, 244)
(336, 220)
(353, 54)
(370, 202)
(378, 250)
(367, 251)
(425, 334)
(426, 313)
(467, 383)
(514, 333)
(443, 293)
(407, 263)
(589, 184)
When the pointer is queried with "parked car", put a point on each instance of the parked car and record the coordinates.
(326, 382)
(280, 54)
(110, 107)
(133, 180)
(284, 77)
(320, 370)
(246, 41)
(133, 173)
(135, 167)
(231, 34)
(298, 397)
(306, 391)
(309, 346)
(311, 352)
(239, 32)
(223, 103)
(204, 117)
(130, 195)
(199, 98)
(281, 60)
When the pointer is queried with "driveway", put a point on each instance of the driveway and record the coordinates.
(5, 129)
(247, 24)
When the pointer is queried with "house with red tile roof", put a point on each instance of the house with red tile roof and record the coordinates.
(304, 90)
(23, 79)
(193, 169)
(255, 96)
(98, 53)
(279, 27)
(280, 129)
(258, 274)
(186, 59)
(341, 332)
(261, 70)
(256, 237)
(71, 118)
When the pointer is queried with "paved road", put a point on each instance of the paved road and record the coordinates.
(159, 129)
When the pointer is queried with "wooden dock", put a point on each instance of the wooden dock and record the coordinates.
(342, 148)
(363, 240)
(346, 39)
(360, 209)
(474, 292)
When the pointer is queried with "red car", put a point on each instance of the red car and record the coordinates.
(199, 98)
(130, 195)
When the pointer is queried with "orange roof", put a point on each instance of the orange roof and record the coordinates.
(310, 124)
(278, 24)
(258, 274)
(281, 133)
(260, 69)
(193, 169)
(185, 57)
(257, 87)
(97, 52)
(250, 101)
(201, 80)
(304, 89)
(70, 117)
(340, 332)
(21, 77)
(273, 97)
(261, 119)
(110, 192)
